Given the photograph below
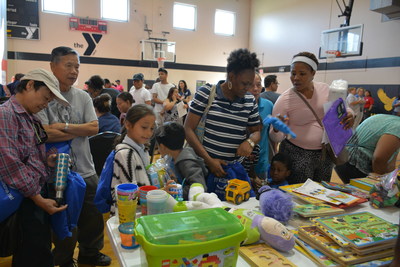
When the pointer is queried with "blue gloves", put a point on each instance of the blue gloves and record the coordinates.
(279, 125)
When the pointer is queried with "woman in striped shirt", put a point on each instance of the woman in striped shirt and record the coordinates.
(232, 115)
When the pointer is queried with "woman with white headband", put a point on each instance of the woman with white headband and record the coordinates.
(306, 149)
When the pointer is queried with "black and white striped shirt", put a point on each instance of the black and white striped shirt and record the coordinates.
(226, 124)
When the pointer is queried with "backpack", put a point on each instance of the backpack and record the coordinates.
(103, 198)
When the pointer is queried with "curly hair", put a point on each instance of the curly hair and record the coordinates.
(242, 59)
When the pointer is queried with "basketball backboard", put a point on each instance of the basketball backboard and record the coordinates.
(153, 50)
(343, 42)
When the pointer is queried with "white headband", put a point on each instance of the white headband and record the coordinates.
(306, 60)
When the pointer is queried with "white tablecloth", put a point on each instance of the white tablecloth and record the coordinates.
(136, 257)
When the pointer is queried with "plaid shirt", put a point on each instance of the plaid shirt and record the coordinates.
(22, 158)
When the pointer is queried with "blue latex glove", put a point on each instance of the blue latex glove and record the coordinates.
(279, 125)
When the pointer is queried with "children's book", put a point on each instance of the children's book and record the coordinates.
(314, 210)
(361, 229)
(327, 246)
(320, 258)
(335, 237)
(321, 240)
(263, 255)
(337, 135)
(381, 262)
(364, 183)
(336, 186)
(289, 189)
(358, 192)
(343, 197)
(315, 190)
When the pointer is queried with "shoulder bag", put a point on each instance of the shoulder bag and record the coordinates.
(342, 158)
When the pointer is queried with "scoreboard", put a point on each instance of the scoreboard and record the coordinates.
(87, 25)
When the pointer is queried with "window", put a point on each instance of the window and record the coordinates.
(58, 6)
(184, 16)
(224, 22)
(114, 10)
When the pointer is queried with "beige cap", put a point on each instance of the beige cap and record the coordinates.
(42, 75)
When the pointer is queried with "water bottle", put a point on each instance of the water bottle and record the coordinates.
(153, 175)
(60, 179)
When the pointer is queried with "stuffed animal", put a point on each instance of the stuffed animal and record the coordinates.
(275, 204)
(257, 225)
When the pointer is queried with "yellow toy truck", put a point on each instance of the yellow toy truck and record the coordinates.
(237, 191)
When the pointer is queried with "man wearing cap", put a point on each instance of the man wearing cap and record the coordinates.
(76, 124)
(25, 166)
(160, 93)
(140, 94)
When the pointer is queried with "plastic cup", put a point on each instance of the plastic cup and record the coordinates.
(143, 190)
(126, 231)
(157, 202)
(126, 202)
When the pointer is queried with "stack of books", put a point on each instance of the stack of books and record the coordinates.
(348, 239)
(364, 183)
(314, 193)
(316, 210)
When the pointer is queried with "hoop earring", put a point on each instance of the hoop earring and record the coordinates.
(229, 85)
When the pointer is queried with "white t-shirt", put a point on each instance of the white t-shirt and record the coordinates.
(162, 92)
(140, 95)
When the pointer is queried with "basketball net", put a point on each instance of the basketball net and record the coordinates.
(331, 55)
(160, 61)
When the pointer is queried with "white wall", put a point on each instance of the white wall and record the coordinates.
(122, 41)
(281, 29)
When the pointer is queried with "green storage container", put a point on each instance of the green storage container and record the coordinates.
(209, 237)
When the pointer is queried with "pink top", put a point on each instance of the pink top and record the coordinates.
(301, 119)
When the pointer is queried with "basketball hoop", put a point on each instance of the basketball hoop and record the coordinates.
(161, 61)
(331, 55)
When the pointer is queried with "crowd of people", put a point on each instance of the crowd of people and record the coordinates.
(221, 123)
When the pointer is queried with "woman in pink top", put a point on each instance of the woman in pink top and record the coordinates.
(306, 149)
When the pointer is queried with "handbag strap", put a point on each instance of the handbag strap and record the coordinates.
(211, 98)
(309, 106)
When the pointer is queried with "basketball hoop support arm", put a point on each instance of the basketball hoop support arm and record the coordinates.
(346, 13)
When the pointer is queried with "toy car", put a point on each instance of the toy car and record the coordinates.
(237, 191)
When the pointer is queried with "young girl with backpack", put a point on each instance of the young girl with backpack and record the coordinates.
(130, 155)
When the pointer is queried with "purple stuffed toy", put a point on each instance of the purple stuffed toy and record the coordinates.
(274, 233)
(275, 204)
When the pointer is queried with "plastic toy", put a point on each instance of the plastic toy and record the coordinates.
(257, 225)
(275, 204)
(279, 125)
(237, 191)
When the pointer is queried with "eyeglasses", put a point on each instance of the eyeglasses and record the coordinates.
(40, 133)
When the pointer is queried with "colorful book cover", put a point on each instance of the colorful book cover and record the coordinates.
(317, 255)
(358, 192)
(364, 183)
(313, 210)
(315, 190)
(361, 229)
(320, 239)
(343, 197)
(374, 263)
(336, 186)
(289, 189)
(327, 246)
(335, 237)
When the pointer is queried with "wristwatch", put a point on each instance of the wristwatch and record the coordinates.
(66, 126)
(252, 144)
